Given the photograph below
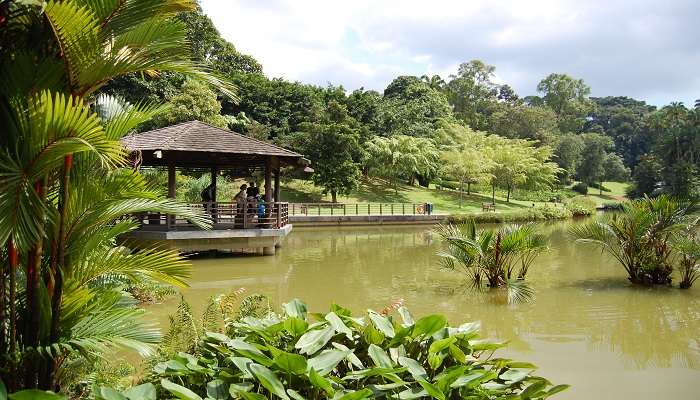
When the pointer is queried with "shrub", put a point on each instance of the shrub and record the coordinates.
(539, 213)
(299, 355)
(580, 188)
(581, 206)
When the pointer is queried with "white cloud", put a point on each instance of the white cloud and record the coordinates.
(644, 48)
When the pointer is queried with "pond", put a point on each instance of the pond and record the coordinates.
(586, 326)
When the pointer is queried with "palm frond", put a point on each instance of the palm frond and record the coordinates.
(519, 291)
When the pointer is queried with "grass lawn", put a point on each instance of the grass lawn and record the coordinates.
(380, 191)
(615, 193)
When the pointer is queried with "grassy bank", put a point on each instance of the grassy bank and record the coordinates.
(447, 201)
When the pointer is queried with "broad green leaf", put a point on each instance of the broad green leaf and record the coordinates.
(35, 394)
(217, 389)
(247, 395)
(290, 362)
(313, 341)
(107, 393)
(457, 354)
(147, 391)
(241, 387)
(354, 360)
(514, 376)
(178, 391)
(295, 326)
(295, 308)
(440, 345)
(3, 390)
(557, 389)
(321, 382)
(406, 316)
(216, 337)
(379, 356)
(414, 368)
(534, 389)
(428, 325)
(435, 360)
(269, 380)
(295, 395)
(342, 311)
(485, 344)
(466, 379)
(382, 323)
(520, 364)
(432, 389)
(325, 362)
(357, 395)
(242, 363)
(248, 350)
(338, 324)
(445, 378)
(413, 393)
(372, 335)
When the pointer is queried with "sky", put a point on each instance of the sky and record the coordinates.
(649, 50)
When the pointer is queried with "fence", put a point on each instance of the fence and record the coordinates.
(224, 215)
(360, 209)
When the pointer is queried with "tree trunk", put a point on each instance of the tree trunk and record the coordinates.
(461, 192)
(32, 292)
(508, 195)
(469, 188)
(601, 188)
(334, 196)
(493, 193)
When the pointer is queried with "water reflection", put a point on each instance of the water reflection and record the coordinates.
(583, 304)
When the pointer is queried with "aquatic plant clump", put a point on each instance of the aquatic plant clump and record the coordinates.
(299, 355)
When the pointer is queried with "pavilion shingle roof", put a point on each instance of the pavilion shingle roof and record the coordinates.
(197, 136)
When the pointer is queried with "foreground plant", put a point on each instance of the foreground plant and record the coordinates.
(63, 199)
(643, 236)
(494, 259)
(338, 355)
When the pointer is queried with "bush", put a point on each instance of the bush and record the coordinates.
(299, 355)
(580, 188)
(581, 206)
(539, 213)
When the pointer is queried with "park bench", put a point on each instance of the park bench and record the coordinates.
(488, 207)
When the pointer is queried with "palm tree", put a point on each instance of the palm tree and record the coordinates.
(641, 236)
(64, 199)
(435, 82)
(493, 258)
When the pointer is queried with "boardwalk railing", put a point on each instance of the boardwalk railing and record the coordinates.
(225, 215)
(298, 209)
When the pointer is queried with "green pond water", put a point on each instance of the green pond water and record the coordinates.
(586, 326)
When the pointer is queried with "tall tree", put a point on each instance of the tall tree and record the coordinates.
(402, 157)
(525, 122)
(63, 202)
(195, 101)
(624, 120)
(468, 166)
(412, 108)
(595, 152)
(568, 154)
(568, 98)
(472, 93)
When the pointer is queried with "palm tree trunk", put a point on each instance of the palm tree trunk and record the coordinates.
(12, 320)
(57, 273)
(33, 275)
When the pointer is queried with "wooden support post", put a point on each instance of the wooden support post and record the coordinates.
(214, 206)
(268, 180)
(170, 219)
(277, 183)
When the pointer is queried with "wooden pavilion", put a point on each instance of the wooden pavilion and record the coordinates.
(257, 225)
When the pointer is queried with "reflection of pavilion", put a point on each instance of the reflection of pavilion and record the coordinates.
(236, 227)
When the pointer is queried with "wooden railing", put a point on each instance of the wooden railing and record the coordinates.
(225, 215)
(306, 209)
